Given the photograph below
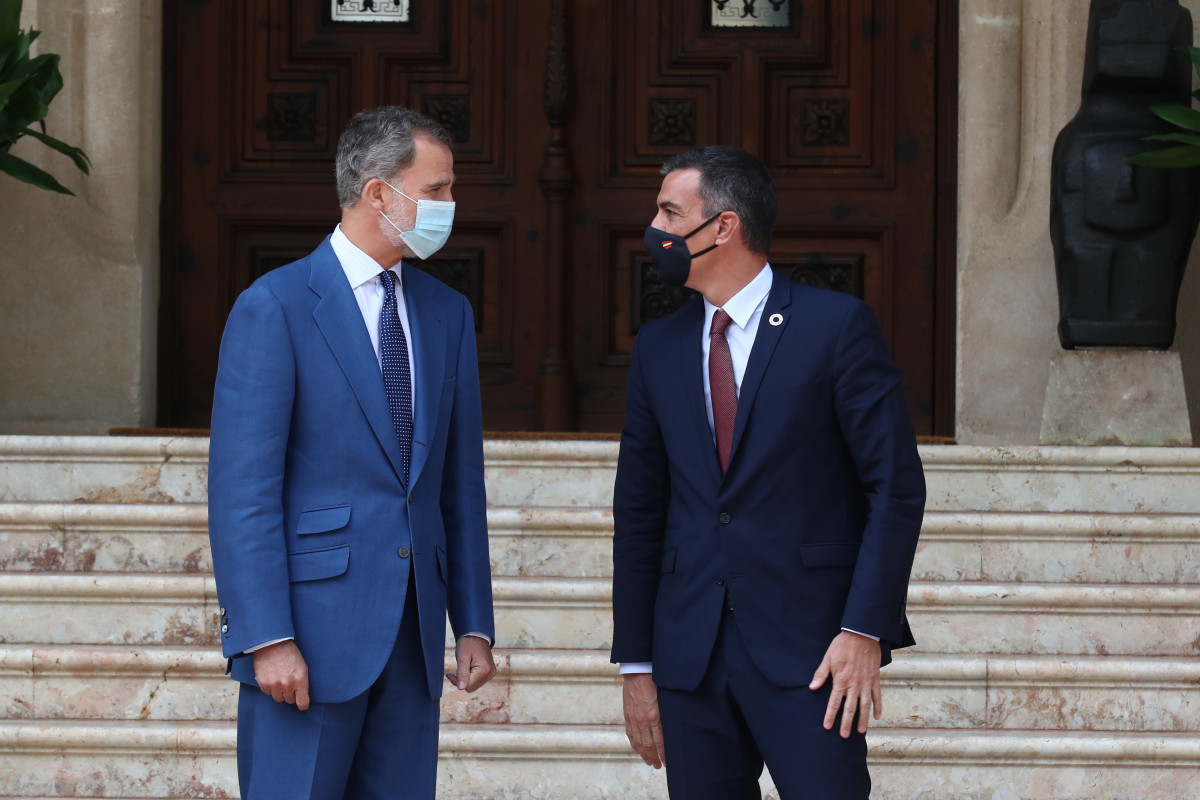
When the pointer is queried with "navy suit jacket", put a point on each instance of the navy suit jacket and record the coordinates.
(308, 509)
(813, 527)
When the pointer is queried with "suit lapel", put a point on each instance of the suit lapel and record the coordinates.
(765, 340)
(691, 378)
(429, 354)
(340, 321)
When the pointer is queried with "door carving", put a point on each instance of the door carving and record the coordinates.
(563, 112)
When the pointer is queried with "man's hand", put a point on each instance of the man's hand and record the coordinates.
(643, 725)
(282, 673)
(853, 661)
(475, 663)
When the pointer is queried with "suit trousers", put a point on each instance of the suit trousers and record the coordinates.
(381, 745)
(718, 736)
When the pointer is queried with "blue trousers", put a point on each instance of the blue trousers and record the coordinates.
(717, 737)
(381, 745)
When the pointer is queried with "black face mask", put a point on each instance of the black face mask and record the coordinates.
(669, 252)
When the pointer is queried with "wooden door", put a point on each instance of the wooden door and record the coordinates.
(563, 112)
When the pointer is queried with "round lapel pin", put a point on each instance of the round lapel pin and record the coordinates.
(776, 320)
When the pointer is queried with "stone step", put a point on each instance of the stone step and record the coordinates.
(516, 762)
(577, 543)
(582, 687)
(561, 613)
(527, 473)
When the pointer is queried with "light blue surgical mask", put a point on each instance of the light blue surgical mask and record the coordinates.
(431, 228)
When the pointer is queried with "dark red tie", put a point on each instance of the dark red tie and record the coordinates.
(722, 386)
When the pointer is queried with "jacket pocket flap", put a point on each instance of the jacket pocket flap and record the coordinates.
(313, 565)
(829, 554)
(323, 520)
(668, 562)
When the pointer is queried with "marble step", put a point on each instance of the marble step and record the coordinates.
(577, 543)
(561, 613)
(526, 473)
(514, 762)
(581, 687)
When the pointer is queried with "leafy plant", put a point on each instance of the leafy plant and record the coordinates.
(27, 85)
(1187, 153)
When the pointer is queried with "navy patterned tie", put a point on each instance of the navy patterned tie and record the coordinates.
(397, 377)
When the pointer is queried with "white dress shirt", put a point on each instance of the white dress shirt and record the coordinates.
(745, 309)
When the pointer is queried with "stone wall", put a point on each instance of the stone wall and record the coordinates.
(78, 312)
(1021, 64)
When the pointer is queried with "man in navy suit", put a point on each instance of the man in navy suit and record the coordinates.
(346, 496)
(768, 500)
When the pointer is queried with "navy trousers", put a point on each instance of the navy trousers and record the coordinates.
(718, 736)
(381, 745)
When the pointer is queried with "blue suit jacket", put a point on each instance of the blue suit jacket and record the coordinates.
(308, 510)
(813, 527)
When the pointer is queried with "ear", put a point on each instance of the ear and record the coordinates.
(729, 227)
(373, 194)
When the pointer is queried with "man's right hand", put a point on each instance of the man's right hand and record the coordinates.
(282, 673)
(643, 725)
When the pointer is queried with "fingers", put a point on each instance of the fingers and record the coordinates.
(818, 678)
(281, 672)
(476, 665)
(643, 725)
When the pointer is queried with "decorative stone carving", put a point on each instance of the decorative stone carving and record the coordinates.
(1122, 233)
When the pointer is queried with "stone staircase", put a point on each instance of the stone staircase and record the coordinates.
(1056, 598)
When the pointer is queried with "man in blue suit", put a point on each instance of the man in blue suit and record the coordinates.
(768, 500)
(346, 496)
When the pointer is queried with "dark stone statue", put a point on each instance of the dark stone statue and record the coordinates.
(1122, 233)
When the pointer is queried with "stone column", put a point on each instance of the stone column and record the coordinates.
(78, 311)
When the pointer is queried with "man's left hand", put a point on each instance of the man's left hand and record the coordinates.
(853, 661)
(475, 663)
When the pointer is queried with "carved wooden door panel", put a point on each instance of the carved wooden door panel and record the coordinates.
(839, 102)
(563, 112)
(257, 92)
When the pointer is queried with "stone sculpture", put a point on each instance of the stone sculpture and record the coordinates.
(1121, 232)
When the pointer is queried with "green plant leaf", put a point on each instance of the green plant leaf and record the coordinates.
(1186, 156)
(10, 20)
(1184, 138)
(8, 88)
(76, 154)
(1179, 115)
(1194, 54)
(22, 170)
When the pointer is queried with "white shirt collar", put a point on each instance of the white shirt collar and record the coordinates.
(741, 306)
(358, 266)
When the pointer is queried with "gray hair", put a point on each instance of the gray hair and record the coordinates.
(378, 143)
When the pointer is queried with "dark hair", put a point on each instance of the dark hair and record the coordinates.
(378, 143)
(733, 180)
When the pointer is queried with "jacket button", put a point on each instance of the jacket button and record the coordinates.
(224, 629)
(404, 551)
(410, 498)
(720, 581)
(725, 518)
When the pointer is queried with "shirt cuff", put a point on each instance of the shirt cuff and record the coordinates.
(860, 633)
(479, 635)
(249, 650)
(637, 667)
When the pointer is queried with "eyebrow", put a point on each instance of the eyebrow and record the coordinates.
(670, 204)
